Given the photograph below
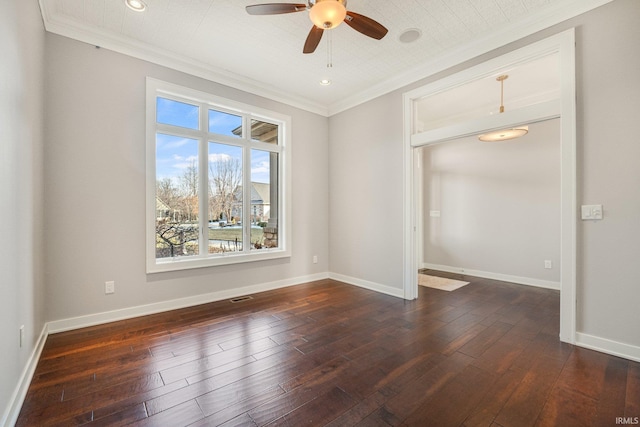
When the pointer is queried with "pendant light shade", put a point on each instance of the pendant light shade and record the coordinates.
(504, 134)
(328, 14)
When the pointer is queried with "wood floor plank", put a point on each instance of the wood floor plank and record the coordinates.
(632, 398)
(464, 391)
(177, 416)
(328, 353)
(420, 389)
(320, 410)
(529, 398)
(611, 402)
(568, 408)
(494, 399)
(124, 417)
(200, 388)
(485, 339)
(234, 411)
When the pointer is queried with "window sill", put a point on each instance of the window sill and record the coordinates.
(183, 263)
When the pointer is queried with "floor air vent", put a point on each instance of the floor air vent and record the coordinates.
(240, 299)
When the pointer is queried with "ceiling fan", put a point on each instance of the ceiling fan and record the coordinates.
(325, 15)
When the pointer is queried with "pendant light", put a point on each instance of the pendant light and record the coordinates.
(503, 134)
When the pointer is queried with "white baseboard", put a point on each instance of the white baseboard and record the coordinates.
(158, 307)
(373, 286)
(603, 345)
(17, 398)
(494, 276)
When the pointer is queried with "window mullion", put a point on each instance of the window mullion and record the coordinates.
(246, 188)
(203, 181)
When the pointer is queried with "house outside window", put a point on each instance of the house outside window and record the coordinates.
(217, 180)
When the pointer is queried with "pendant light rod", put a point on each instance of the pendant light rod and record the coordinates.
(501, 79)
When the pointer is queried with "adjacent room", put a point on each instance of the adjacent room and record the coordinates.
(218, 213)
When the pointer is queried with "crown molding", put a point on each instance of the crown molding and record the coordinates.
(495, 39)
(551, 16)
(145, 52)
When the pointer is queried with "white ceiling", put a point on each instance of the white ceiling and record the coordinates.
(218, 40)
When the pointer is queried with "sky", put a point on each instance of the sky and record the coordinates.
(174, 154)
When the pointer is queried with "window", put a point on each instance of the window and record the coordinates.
(217, 180)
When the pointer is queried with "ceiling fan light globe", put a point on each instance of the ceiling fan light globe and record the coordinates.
(327, 14)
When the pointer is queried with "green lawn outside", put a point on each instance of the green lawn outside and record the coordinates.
(232, 233)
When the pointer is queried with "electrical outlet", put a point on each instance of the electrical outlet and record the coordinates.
(315, 259)
(548, 263)
(21, 335)
(109, 287)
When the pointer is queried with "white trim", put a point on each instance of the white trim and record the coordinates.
(411, 186)
(525, 115)
(520, 280)
(603, 345)
(504, 35)
(564, 44)
(372, 286)
(568, 188)
(62, 325)
(17, 398)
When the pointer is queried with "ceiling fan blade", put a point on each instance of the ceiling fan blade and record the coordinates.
(313, 39)
(365, 25)
(275, 8)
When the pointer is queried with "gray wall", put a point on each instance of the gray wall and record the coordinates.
(21, 117)
(499, 204)
(365, 212)
(608, 152)
(365, 169)
(95, 187)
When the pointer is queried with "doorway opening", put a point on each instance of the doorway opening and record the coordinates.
(424, 127)
(492, 210)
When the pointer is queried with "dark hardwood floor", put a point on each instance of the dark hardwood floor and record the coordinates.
(327, 353)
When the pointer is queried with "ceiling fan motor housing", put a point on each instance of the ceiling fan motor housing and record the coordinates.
(314, 2)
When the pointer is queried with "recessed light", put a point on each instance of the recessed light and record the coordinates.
(410, 35)
(325, 82)
(137, 5)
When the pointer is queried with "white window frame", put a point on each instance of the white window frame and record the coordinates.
(157, 88)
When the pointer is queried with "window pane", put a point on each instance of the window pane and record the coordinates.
(225, 198)
(265, 132)
(264, 200)
(176, 196)
(176, 113)
(225, 123)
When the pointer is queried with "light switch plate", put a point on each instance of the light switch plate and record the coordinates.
(109, 287)
(592, 212)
